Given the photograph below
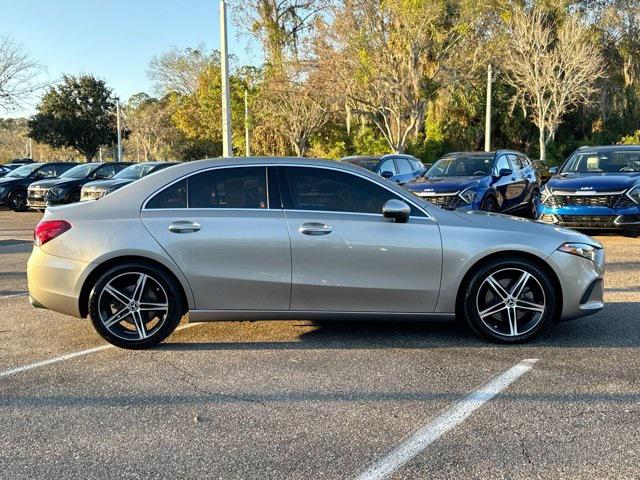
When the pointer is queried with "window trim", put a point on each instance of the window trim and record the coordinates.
(428, 215)
(204, 170)
(323, 167)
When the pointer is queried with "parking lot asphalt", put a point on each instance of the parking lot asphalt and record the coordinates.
(295, 399)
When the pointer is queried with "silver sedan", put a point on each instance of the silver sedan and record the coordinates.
(266, 238)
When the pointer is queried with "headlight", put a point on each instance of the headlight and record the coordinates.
(545, 194)
(580, 249)
(468, 195)
(634, 194)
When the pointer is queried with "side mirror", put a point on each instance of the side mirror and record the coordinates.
(387, 174)
(505, 172)
(397, 210)
(554, 170)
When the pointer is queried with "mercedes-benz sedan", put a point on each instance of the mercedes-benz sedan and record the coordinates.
(264, 238)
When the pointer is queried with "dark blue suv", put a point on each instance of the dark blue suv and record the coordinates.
(596, 188)
(500, 181)
(398, 167)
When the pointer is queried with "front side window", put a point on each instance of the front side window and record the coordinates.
(502, 163)
(244, 187)
(329, 190)
(388, 166)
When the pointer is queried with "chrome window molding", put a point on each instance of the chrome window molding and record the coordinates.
(266, 165)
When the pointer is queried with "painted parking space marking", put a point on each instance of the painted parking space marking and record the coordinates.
(13, 295)
(69, 356)
(450, 418)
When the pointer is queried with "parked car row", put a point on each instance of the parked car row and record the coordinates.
(596, 188)
(39, 185)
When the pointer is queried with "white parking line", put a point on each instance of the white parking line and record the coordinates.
(447, 420)
(69, 356)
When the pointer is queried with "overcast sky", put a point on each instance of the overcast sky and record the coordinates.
(114, 39)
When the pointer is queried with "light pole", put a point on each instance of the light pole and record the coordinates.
(227, 150)
(487, 121)
(247, 138)
(119, 133)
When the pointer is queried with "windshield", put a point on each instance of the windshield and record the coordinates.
(461, 166)
(608, 161)
(81, 171)
(135, 172)
(368, 163)
(24, 171)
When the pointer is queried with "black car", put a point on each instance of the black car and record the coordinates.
(6, 168)
(100, 188)
(13, 186)
(395, 166)
(66, 188)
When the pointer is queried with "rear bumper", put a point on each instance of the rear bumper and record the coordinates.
(55, 282)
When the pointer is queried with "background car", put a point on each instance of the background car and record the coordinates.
(6, 168)
(100, 188)
(13, 186)
(501, 181)
(397, 167)
(66, 188)
(596, 188)
(260, 238)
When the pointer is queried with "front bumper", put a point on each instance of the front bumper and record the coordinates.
(582, 284)
(55, 282)
(591, 218)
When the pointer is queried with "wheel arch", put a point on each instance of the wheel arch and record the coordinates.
(94, 275)
(510, 255)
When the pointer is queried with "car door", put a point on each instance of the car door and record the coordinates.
(227, 237)
(346, 256)
(502, 184)
(519, 181)
(405, 170)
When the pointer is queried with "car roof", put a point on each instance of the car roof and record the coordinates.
(608, 148)
(360, 157)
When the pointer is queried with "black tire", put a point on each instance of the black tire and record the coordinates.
(489, 205)
(73, 197)
(18, 201)
(126, 333)
(481, 297)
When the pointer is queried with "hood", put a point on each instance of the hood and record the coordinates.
(9, 182)
(497, 221)
(442, 184)
(59, 182)
(598, 182)
(107, 184)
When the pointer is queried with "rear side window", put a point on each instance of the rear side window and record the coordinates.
(333, 191)
(403, 166)
(244, 187)
(517, 162)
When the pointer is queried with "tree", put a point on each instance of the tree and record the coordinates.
(552, 68)
(389, 58)
(18, 74)
(79, 113)
(178, 71)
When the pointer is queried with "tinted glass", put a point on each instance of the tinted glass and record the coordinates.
(174, 196)
(134, 172)
(368, 163)
(80, 171)
(516, 161)
(333, 191)
(603, 162)
(388, 166)
(403, 166)
(417, 165)
(244, 187)
(107, 171)
(461, 166)
(24, 171)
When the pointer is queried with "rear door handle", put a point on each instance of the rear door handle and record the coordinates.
(314, 228)
(184, 227)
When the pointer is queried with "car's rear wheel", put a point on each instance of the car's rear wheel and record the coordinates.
(489, 205)
(135, 306)
(509, 301)
(18, 201)
(74, 197)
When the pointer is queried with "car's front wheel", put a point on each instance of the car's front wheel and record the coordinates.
(509, 300)
(18, 201)
(135, 306)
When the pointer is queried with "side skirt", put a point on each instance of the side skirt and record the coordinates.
(242, 315)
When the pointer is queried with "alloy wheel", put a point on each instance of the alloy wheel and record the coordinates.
(511, 302)
(19, 201)
(133, 306)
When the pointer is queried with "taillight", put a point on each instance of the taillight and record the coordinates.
(48, 230)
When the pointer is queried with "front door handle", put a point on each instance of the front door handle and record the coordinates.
(184, 227)
(314, 228)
